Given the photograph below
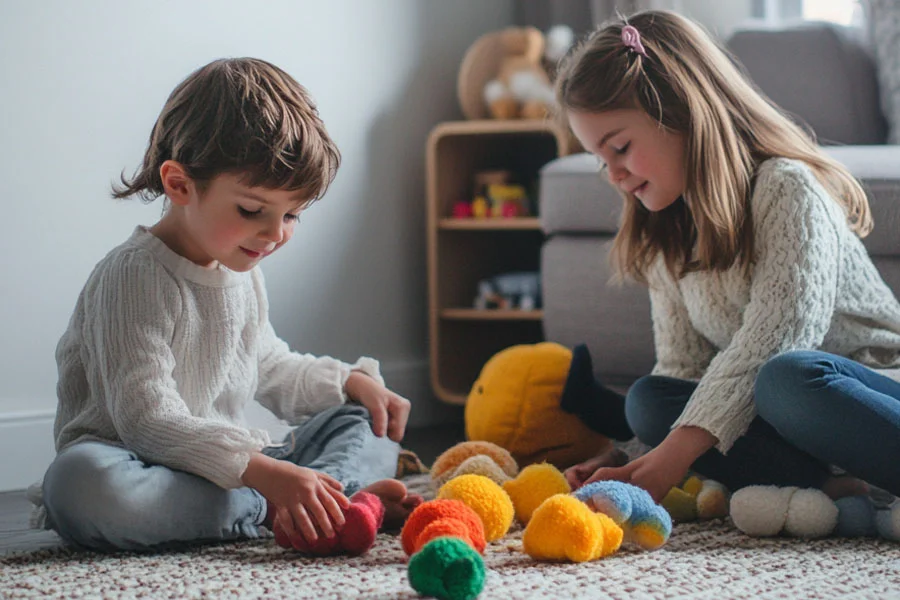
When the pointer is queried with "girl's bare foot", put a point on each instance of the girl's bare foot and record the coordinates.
(843, 485)
(398, 502)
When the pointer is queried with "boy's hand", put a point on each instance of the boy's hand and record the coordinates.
(307, 503)
(389, 411)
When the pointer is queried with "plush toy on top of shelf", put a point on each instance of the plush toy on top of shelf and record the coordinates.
(507, 74)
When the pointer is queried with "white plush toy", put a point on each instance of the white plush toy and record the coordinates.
(763, 510)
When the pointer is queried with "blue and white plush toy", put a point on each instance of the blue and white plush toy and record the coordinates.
(763, 510)
(644, 522)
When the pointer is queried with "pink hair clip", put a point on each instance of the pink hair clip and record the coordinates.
(632, 39)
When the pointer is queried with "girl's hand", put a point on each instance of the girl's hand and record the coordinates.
(665, 466)
(389, 411)
(307, 503)
(578, 474)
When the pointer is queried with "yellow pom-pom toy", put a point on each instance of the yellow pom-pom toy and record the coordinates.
(565, 528)
(533, 485)
(486, 498)
(697, 499)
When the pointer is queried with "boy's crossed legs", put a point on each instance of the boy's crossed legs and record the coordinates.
(105, 497)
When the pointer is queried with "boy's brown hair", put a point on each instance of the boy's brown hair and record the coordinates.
(243, 116)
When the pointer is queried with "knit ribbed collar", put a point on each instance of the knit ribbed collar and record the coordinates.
(181, 267)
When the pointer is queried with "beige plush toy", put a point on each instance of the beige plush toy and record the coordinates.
(504, 75)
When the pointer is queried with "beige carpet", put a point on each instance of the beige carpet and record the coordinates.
(710, 561)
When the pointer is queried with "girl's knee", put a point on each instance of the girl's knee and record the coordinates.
(786, 380)
(645, 414)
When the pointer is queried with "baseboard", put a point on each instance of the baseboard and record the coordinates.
(26, 437)
(26, 442)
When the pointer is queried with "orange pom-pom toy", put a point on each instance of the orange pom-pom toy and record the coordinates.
(442, 518)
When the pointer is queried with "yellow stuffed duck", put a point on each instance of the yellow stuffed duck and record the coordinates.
(541, 402)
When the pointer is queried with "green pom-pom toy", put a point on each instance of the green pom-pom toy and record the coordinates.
(447, 568)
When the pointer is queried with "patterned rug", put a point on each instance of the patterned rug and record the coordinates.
(701, 561)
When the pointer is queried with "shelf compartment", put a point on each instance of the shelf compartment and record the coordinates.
(489, 224)
(465, 346)
(474, 314)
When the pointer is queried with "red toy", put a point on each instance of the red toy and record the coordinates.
(442, 518)
(362, 520)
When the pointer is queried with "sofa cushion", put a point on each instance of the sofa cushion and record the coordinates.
(575, 198)
(884, 19)
(824, 75)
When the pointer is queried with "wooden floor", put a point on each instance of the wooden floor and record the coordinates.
(15, 535)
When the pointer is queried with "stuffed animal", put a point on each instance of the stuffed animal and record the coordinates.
(486, 498)
(362, 519)
(532, 486)
(442, 518)
(447, 568)
(765, 510)
(537, 401)
(445, 539)
(697, 498)
(565, 529)
(643, 522)
(506, 74)
(478, 458)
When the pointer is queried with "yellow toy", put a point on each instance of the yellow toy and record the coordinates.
(515, 403)
(486, 498)
(535, 484)
(478, 458)
(697, 499)
(564, 528)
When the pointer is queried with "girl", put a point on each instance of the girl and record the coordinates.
(777, 341)
(171, 337)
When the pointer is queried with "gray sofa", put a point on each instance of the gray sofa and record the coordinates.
(818, 73)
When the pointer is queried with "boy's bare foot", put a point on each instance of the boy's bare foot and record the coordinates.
(398, 502)
(843, 486)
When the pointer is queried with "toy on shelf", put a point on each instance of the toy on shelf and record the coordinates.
(362, 519)
(516, 404)
(486, 498)
(509, 291)
(477, 458)
(765, 510)
(445, 540)
(507, 74)
(496, 195)
(697, 498)
(643, 521)
(565, 528)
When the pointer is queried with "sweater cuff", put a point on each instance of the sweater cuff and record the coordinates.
(365, 365)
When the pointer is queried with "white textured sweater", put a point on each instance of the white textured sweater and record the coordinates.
(161, 356)
(812, 287)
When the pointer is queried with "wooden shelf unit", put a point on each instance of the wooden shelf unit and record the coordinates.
(463, 251)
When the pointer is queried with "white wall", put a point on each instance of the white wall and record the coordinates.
(720, 18)
(83, 83)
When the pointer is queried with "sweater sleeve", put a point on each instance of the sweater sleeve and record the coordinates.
(681, 351)
(792, 297)
(133, 320)
(293, 385)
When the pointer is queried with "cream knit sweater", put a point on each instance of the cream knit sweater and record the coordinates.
(812, 286)
(161, 355)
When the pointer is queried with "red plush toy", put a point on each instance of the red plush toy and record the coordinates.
(362, 520)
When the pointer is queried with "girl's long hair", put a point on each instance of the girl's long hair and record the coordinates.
(693, 86)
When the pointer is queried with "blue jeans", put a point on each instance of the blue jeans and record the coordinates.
(105, 497)
(814, 410)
